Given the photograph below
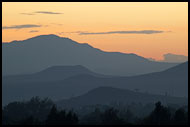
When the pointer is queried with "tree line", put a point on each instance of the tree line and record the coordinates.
(38, 111)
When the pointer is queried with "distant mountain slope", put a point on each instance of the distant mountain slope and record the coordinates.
(180, 68)
(173, 82)
(40, 52)
(107, 95)
(54, 73)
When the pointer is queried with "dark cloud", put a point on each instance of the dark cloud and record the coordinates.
(21, 26)
(33, 31)
(125, 32)
(47, 12)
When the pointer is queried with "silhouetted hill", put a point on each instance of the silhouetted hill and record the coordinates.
(37, 53)
(54, 73)
(181, 68)
(173, 82)
(108, 95)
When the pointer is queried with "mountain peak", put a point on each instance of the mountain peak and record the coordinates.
(45, 39)
(65, 69)
(47, 36)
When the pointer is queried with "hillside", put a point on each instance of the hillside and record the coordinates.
(173, 82)
(108, 95)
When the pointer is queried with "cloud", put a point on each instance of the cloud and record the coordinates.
(174, 58)
(171, 58)
(73, 32)
(41, 12)
(27, 13)
(58, 24)
(47, 12)
(78, 32)
(125, 32)
(33, 31)
(60, 33)
(21, 26)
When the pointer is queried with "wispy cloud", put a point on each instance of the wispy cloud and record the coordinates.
(21, 26)
(60, 33)
(78, 32)
(42, 12)
(27, 13)
(58, 24)
(73, 32)
(47, 12)
(124, 32)
(33, 31)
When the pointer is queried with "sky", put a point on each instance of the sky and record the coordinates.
(148, 29)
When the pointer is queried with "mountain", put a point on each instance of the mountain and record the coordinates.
(108, 95)
(54, 73)
(173, 82)
(40, 52)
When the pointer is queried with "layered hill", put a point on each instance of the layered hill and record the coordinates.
(108, 95)
(68, 81)
(54, 73)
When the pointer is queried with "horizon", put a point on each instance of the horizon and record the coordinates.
(158, 60)
(139, 28)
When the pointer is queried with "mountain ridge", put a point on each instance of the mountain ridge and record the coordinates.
(54, 73)
(107, 95)
(49, 50)
(65, 86)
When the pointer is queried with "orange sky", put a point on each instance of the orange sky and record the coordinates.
(71, 18)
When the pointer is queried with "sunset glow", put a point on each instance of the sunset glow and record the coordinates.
(119, 25)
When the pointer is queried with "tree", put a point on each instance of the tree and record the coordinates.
(180, 117)
(61, 117)
(53, 116)
(127, 116)
(28, 121)
(93, 118)
(39, 107)
(161, 115)
(15, 112)
(71, 118)
(110, 117)
(56, 117)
